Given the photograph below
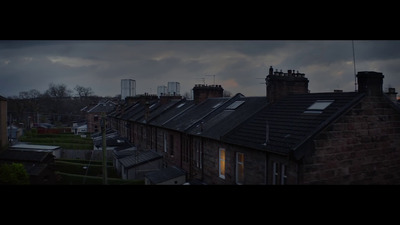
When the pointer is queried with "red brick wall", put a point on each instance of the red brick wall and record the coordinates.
(92, 124)
(362, 147)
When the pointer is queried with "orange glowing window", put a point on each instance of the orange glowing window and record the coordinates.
(222, 163)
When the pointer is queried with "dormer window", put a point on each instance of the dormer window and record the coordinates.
(318, 106)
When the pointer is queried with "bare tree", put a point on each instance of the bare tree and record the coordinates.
(83, 92)
(56, 97)
(34, 94)
(58, 91)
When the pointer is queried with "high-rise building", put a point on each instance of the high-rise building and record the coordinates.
(174, 88)
(162, 90)
(128, 88)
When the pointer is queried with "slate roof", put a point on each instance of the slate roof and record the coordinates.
(109, 133)
(190, 117)
(171, 112)
(289, 126)
(117, 112)
(113, 139)
(159, 109)
(103, 107)
(164, 174)
(120, 153)
(139, 157)
(229, 115)
(138, 116)
(132, 110)
(211, 118)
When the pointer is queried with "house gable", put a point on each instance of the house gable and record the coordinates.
(360, 147)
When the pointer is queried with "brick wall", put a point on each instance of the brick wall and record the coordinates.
(254, 164)
(175, 137)
(93, 123)
(362, 147)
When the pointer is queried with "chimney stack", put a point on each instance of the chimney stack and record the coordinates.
(201, 92)
(392, 94)
(280, 84)
(370, 82)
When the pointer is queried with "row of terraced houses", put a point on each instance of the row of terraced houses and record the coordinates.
(289, 136)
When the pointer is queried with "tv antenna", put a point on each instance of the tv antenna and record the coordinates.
(354, 63)
(214, 78)
(265, 82)
(203, 79)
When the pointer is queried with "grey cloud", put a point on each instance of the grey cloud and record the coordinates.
(101, 64)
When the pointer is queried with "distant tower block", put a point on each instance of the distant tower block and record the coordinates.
(174, 88)
(128, 88)
(162, 90)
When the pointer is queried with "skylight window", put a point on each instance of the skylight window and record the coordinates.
(153, 105)
(180, 105)
(318, 106)
(234, 105)
(218, 104)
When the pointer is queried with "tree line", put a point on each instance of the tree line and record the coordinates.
(57, 105)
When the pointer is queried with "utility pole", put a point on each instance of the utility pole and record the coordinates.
(354, 64)
(103, 132)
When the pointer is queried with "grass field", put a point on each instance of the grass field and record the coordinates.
(64, 140)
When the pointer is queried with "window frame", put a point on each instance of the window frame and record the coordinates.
(239, 168)
(275, 173)
(318, 106)
(221, 163)
(165, 141)
(283, 173)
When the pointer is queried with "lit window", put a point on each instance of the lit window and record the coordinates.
(239, 168)
(318, 106)
(222, 163)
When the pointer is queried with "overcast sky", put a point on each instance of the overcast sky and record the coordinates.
(238, 65)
